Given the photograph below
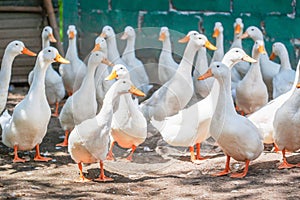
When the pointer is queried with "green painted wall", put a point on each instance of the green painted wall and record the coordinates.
(279, 18)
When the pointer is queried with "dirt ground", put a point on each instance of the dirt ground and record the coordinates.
(158, 171)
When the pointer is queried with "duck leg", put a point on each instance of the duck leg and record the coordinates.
(38, 156)
(55, 114)
(193, 157)
(102, 177)
(17, 158)
(198, 156)
(65, 142)
(226, 170)
(81, 177)
(110, 154)
(285, 164)
(131, 153)
(244, 173)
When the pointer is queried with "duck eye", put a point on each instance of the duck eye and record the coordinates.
(236, 51)
(195, 33)
(17, 44)
(121, 68)
(97, 54)
(46, 29)
(218, 66)
(124, 81)
(49, 50)
(252, 29)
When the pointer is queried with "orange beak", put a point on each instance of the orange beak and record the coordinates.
(71, 35)
(237, 29)
(137, 92)
(298, 85)
(245, 35)
(272, 56)
(96, 48)
(107, 62)
(52, 38)
(103, 35)
(112, 75)
(28, 52)
(216, 33)
(206, 75)
(162, 37)
(261, 49)
(124, 36)
(210, 46)
(60, 59)
(185, 39)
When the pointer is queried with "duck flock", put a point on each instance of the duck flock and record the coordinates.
(242, 102)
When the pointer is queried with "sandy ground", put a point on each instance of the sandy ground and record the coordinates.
(158, 171)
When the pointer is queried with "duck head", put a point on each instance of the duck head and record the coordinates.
(276, 49)
(98, 57)
(218, 29)
(199, 39)
(238, 26)
(100, 44)
(253, 32)
(258, 48)
(17, 47)
(51, 55)
(164, 33)
(72, 32)
(217, 70)
(129, 33)
(107, 32)
(119, 71)
(125, 86)
(47, 34)
(236, 55)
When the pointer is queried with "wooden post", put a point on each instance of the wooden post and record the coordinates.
(52, 20)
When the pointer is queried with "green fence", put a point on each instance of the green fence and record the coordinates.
(279, 18)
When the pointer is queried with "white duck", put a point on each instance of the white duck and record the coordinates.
(251, 91)
(73, 73)
(88, 142)
(166, 64)
(218, 34)
(26, 128)
(268, 68)
(129, 126)
(177, 92)
(287, 125)
(191, 125)
(283, 81)
(235, 134)
(264, 117)
(202, 88)
(240, 69)
(102, 72)
(55, 90)
(12, 50)
(82, 104)
(138, 72)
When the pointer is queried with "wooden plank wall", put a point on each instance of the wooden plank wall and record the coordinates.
(27, 28)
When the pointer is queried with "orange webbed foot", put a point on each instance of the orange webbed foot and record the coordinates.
(16, 160)
(63, 144)
(286, 165)
(110, 156)
(55, 115)
(82, 179)
(104, 179)
(238, 175)
(42, 159)
(222, 173)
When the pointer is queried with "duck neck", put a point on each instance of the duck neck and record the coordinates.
(284, 59)
(219, 53)
(225, 104)
(129, 50)
(38, 82)
(112, 49)
(167, 45)
(237, 42)
(5, 72)
(201, 62)
(186, 62)
(89, 79)
(45, 42)
(72, 50)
